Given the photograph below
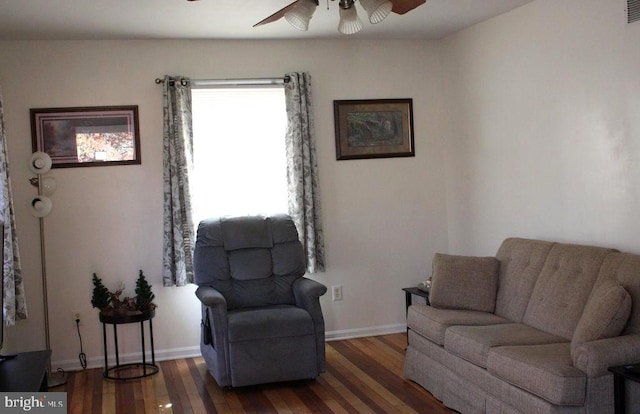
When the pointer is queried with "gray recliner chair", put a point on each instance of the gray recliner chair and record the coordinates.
(261, 319)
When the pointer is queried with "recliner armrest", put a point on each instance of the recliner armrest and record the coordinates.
(307, 287)
(593, 358)
(307, 293)
(211, 297)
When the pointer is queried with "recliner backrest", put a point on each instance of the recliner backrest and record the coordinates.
(251, 260)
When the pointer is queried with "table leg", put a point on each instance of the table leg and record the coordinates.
(104, 343)
(407, 299)
(115, 339)
(144, 356)
(153, 355)
(618, 394)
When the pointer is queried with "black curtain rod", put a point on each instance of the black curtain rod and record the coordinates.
(228, 82)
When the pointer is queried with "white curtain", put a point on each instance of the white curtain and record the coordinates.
(15, 305)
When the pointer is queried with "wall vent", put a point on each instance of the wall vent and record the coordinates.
(633, 11)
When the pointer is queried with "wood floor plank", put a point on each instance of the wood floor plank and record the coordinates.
(108, 397)
(369, 387)
(364, 375)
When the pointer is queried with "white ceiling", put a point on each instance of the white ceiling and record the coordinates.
(224, 19)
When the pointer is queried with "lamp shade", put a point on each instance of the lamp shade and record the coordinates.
(377, 10)
(40, 162)
(41, 206)
(300, 15)
(349, 21)
(49, 185)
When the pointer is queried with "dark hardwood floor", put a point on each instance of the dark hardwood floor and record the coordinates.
(363, 375)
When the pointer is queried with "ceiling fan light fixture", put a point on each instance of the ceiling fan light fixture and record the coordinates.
(300, 15)
(349, 21)
(377, 10)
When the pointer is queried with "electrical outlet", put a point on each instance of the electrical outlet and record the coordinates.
(76, 316)
(336, 292)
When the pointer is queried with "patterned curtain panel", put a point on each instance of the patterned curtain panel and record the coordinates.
(302, 169)
(178, 162)
(15, 304)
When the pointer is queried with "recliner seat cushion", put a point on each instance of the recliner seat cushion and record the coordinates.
(473, 343)
(269, 322)
(544, 370)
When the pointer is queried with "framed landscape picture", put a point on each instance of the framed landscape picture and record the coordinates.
(376, 128)
(87, 136)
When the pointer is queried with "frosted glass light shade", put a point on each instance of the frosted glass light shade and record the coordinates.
(40, 162)
(41, 206)
(300, 15)
(49, 185)
(349, 21)
(377, 10)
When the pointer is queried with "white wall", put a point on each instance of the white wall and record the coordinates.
(545, 127)
(384, 219)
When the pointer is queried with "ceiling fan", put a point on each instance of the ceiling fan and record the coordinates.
(300, 12)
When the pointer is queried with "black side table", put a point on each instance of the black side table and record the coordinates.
(620, 374)
(408, 291)
(114, 372)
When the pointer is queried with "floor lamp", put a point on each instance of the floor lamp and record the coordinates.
(41, 205)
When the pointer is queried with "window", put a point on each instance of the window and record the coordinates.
(239, 151)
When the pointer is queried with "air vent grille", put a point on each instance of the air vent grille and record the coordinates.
(633, 11)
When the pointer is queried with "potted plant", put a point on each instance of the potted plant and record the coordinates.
(100, 298)
(113, 309)
(144, 295)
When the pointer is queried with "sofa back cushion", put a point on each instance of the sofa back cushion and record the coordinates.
(624, 268)
(605, 314)
(563, 287)
(464, 282)
(521, 261)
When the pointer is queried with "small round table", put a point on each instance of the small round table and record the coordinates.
(116, 372)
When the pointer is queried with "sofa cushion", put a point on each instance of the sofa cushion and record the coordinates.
(520, 263)
(623, 267)
(464, 282)
(563, 287)
(543, 370)
(605, 314)
(473, 343)
(432, 322)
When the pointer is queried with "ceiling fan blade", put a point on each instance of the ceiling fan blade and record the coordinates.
(277, 15)
(404, 6)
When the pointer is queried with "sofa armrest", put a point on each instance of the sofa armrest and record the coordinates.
(595, 357)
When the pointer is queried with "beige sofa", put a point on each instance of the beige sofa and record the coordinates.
(531, 330)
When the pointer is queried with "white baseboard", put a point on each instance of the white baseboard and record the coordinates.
(194, 351)
(363, 332)
(98, 362)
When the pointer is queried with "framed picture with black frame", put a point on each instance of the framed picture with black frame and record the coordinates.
(374, 128)
(87, 136)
